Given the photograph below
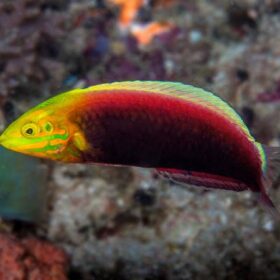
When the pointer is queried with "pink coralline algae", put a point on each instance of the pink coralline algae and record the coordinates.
(31, 259)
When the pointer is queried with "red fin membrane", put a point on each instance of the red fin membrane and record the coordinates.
(201, 179)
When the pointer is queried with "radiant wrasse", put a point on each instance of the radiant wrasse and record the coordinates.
(188, 134)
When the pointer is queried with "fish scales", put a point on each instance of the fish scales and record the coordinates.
(154, 130)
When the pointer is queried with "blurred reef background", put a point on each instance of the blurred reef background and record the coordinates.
(125, 223)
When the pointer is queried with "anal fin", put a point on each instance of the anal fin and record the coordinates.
(201, 179)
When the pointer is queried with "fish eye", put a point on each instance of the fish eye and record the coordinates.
(48, 127)
(30, 129)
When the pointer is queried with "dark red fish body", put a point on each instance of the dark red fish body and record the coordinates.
(187, 134)
(155, 130)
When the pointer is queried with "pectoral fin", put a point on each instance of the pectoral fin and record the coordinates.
(80, 141)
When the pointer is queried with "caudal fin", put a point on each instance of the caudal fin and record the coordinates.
(270, 177)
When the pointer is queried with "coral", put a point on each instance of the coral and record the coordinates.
(31, 259)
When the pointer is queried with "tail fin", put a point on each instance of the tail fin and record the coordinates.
(270, 178)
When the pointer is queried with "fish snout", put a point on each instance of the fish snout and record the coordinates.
(3, 138)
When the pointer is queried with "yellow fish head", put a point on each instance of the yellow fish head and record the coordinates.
(42, 133)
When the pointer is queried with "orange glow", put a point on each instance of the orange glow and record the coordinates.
(145, 34)
(129, 9)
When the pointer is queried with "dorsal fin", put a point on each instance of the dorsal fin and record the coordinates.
(187, 92)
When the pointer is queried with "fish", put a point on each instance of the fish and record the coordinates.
(187, 134)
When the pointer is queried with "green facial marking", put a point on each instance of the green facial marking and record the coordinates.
(48, 127)
(51, 137)
(47, 148)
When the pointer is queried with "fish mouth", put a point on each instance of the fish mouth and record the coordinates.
(10, 143)
(24, 146)
(6, 142)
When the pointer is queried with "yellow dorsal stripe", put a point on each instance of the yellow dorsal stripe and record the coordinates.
(187, 92)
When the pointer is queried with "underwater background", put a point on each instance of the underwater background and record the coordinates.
(83, 222)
